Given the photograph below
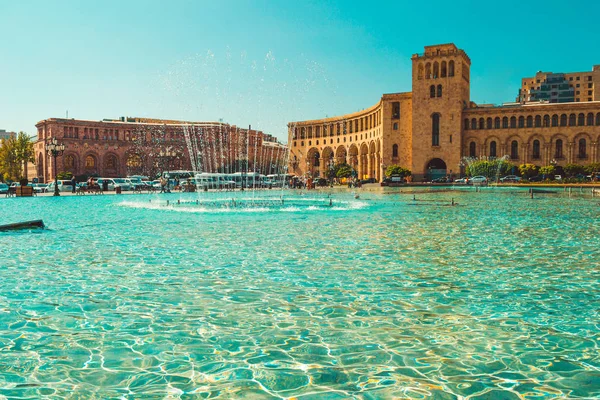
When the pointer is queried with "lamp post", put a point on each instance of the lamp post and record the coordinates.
(55, 149)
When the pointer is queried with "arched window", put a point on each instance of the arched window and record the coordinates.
(466, 124)
(581, 119)
(493, 149)
(514, 150)
(69, 162)
(558, 149)
(546, 121)
(505, 122)
(538, 121)
(110, 162)
(536, 150)
(497, 123)
(436, 70)
(555, 120)
(590, 119)
(435, 129)
(432, 91)
(597, 119)
(474, 123)
(481, 123)
(513, 122)
(395, 151)
(90, 162)
(439, 91)
(563, 120)
(572, 119)
(529, 121)
(488, 123)
(521, 122)
(472, 149)
(428, 71)
(444, 69)
(582, 148)
(420, 71)
(395, 126)
(451, 68)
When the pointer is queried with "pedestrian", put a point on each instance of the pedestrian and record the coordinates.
(105, 185)
(74, 183)
(163, 183)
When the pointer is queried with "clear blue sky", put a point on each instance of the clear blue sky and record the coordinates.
(266, 63)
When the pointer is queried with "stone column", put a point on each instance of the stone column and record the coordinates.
(322, 167)
(525, 152)
(369, 166)
(569, 152)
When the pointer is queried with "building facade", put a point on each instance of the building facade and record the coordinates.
(142, 146)
(433, 128)
(6, 135)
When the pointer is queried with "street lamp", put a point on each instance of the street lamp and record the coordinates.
(54, 150)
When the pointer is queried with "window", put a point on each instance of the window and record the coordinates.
(395, 126)
(589, 92)
(451, 68)
(481, 123)
(435, 129)
(488, 123)
(90, 162)
(439, 91)
(521, 122)
(395, 151)
(590, 85)
(436, 70)
(590, 119)
(467, 124)
(589, 78)
(581, 119)
(598, 119)
(472, 149)
(529, 121)
(420, 72)
(514, 150)
(396, 110)
(546, 121)
(474, 123)
(577, 78)
(536, 150)
(444, 69)
(69, 162)
(563, 120)
(558, 149)
(432, 91)
(582, 148)
(497, 123)
(505, 122)
(555, 120)
(428, 71)
(572, 119)
(538, 121)
(493, 149)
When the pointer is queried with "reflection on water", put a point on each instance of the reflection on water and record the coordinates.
(373, 298)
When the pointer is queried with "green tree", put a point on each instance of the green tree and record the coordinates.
(66, 175)
(24, 151)
(593, 167)
(528, 170)
(397, 170)
(489, 168)
(10, 167)
(344, 171)
(548, 171)
(573, 169)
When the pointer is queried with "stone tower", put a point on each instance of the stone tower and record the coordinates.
(440, 93)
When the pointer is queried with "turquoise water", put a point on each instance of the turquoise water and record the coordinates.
(377, 298)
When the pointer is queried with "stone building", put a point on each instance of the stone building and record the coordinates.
(142, 146)
(431, 129)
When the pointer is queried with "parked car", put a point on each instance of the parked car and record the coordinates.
(461, 181)
(63, 186)
(537, 178)
(478, 180)
(442, 179)
(3, 188)
(510, 178)
(370, 180)
(40, 187)
(122, 183)
(558, 177)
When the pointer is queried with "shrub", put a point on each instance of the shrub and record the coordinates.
(397, 170)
